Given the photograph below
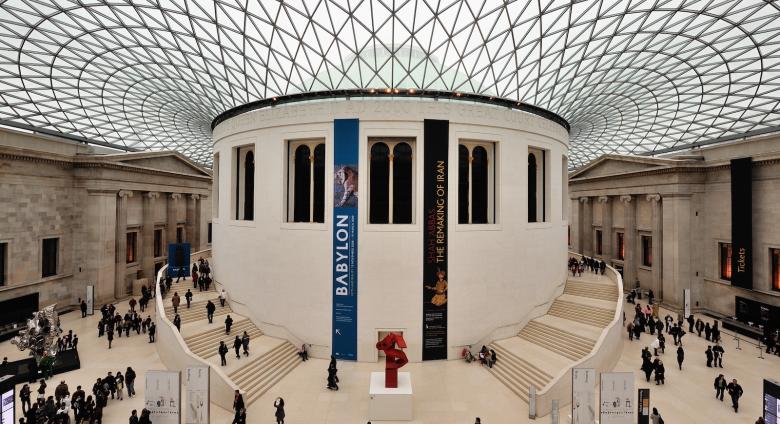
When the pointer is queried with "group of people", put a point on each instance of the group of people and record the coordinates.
(201, 275)
(577, 267)
(771, 339)
(733, 388)
(68, 342)
(112, 323)
(238, 343)
(60, 407)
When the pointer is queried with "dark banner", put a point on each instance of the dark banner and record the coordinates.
(345, 238)
(742, 223)
(179, 259)
(436, 139)
(643, 405)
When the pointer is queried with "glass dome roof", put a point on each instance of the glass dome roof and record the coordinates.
(637, 77)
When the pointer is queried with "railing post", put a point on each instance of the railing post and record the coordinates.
(532, 402)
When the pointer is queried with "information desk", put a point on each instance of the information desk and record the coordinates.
(742, 328)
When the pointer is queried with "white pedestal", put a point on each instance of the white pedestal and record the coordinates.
(385, 404)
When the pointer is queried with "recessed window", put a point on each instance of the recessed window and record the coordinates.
(158, 242)
(179, 235)
(49, 253)
(476, 183)
(244, 183)
(775, 257)
(391, 179)
(725, 261)
(538, 185)
(306, 181)
(132, 243)
(599, 241)
(208, 240)
(647, 250)
(3, 263)
(621, 247)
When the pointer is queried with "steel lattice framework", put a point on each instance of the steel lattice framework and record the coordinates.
(630, 76)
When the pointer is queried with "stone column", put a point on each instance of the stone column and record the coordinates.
(99, 223)
(120, 284)
(171, 221)
(586, 230)
(606, 228)
(657, 229)
(192, 227)
(576, 225)
(629, 241)
(147, 234)
(677, 271)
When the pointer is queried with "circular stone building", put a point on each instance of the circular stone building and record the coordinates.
(340, 218)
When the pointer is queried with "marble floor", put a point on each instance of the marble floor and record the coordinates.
(450, 392)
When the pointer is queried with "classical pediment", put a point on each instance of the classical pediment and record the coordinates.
(616, 164)
(164, 161)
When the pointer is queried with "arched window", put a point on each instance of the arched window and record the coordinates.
(463, 184)
(302, 189)
(379, 212)
(531, 187)
(479, 186)
(249, 185)
(402, 184)
(319, 183)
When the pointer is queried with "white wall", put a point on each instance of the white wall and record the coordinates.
(497, 272)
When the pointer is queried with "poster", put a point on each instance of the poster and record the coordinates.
(742, 223)
(435, 279)
(643, 402)
(162, 396)
(90, 300)
(345, 238)
(616, 399)
(196, 379)
(583, 396)
(178, 259)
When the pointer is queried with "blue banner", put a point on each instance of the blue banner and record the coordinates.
(345, 237)
(178, 259)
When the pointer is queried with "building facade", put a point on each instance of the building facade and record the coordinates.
(76, 215)
(667, 222)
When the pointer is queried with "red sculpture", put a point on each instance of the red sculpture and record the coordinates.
(396, 358)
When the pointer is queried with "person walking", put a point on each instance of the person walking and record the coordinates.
(691, 321)
(238, 401)
(720, 386)
(709, 354)
(110, 336)
(680, 356)
(152, 331)
(660, 372)
(228, 324)
(132, 304)
(245, 343)
(718, 351)
(177, 322)
(145, 419)
(707, 331)
(133, 417)
(735, 391)
(188, 297)
(279, 414)
(175, 300)
(222, 297)
(223, 350)
(83, 306)
(130, 381)
(655, 417)
(210, 308)
(24, 396)
(120, 385)
(237, 347)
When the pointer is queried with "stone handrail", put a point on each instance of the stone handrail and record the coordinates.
(175, 354)
(602, 358)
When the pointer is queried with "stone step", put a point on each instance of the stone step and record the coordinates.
(582, 313)
(556, 341)
(283, 368)
(209, 348)
(217, 331)
(257, 377)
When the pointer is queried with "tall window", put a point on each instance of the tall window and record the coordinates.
(3, 263)
(775, 256)
(132, 243)
(647, 250)
(158, 242)
(179, 235)
(599, 240)
(621, 247)
(49, 253)
(538, 185)
(725, 260)
(306, 181)
(475, 183)
(244, 183)
(208, 239)
(391, 179)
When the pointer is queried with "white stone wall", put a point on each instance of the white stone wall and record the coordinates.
(497, 272)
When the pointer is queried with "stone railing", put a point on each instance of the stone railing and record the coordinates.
(602, 358)
(175, 354)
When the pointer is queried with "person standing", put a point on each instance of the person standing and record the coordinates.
(83, 306)
(735, 391)
(177, 322)
(709, 354)
(145, 419)
(245, 343)
(222, 297)
(175, 300)
(152, 331)
(718, 351)
(279, 405)
(237, 347)
(690, 323)
(130, 380)
(680, 356)
(720, 386)
(699, 326)
(24, 396)
(223, 350)
(210, 308)
(133, 417)
(228, 324)
(660, 372)
(110, 336)
(132, 304)
(707, 331)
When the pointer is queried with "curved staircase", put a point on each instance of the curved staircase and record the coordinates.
(269, 360)
(558, 339)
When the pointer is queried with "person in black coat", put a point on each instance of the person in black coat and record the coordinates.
(228, 324)
(238, 401)
(279, 414)
(223, 350)
(177, 322)
(110, 336)
(210, 308)
(691, 321)
(83, 306)
(134, 417)
(718, 352)
(720, 386)
(152, 332)
(237, 347)
(735, 391)
(130, 382)
(680, 356)
(245, 343)
(709, 354)
(707, 331)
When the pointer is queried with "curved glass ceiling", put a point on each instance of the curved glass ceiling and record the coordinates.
(629, 76)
